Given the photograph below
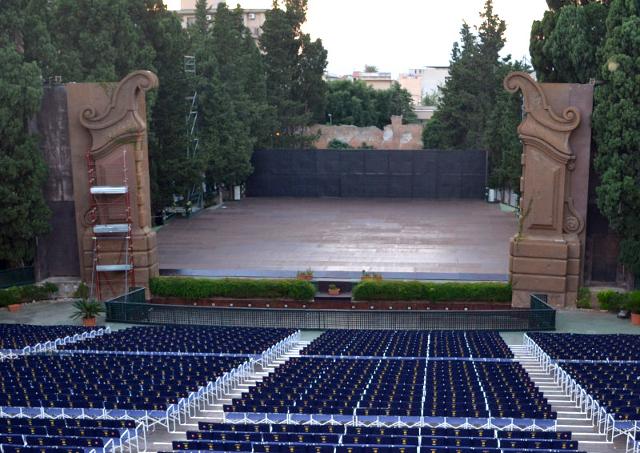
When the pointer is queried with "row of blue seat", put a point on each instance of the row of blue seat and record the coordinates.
(18, 336)
(379, 430)
(294, 447)
(192, 339)
(572, 346)
(397, 387)
(616, 386)
(147, 382)
(403, 343)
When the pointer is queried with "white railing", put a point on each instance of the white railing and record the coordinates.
(177, 414)
(604, 422)
(278, 350)
(52, 345)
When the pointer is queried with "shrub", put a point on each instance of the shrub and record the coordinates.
(338, 144)
(584, 298)
(434, 292)
(28, 293)
(9, 296)
(202, 288)
(82, 292)
(633, 302)
(611, 300)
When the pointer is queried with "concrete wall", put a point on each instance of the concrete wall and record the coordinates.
(57, 254)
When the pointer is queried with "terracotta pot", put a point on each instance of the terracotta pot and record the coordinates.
(89, 322)
(635, 319)
(305, 277)
(334, 292)
(14, 307)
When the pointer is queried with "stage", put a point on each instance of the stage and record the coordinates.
(340, 237)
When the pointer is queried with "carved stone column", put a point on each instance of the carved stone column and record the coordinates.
(108, 131)
(547, 252)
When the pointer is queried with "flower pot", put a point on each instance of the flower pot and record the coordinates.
(334, 291)
(305, 277)
(89, 322)
(635, 319)
(14, 307)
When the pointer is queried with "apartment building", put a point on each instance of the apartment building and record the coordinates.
(253, 18)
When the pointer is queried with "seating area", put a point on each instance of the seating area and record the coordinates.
(353, 439)
(106, 381)
(571, 346)
(406, 343)
(616, 386)
(64, 435)
(187, 339)
(18, 336)
(391, 387)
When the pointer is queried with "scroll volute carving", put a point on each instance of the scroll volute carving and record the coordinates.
(546, 202)
(121, 122)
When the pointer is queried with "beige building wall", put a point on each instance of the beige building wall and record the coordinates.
(376, 80)
(413, 84)
(253, 18)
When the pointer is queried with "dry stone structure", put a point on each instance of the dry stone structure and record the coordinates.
(548, 251)
(394, 136)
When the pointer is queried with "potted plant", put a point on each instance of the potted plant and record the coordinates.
(305, 275)
(87, 310)
(370, 276)
(334, 290)
(633, 305)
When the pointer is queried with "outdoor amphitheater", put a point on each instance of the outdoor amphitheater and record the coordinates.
(358, 300)
(195, 388)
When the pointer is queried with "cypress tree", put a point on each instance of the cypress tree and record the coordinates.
(22, 169)
(294, 66)
(616, 128)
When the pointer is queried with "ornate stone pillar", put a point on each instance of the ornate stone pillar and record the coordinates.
(108, 135)
(547, 252)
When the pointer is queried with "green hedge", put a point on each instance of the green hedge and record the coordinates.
(202, 288)
(614, 301)
(28, 293)
(434, 292)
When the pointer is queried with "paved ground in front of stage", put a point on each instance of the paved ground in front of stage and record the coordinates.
(270, 237)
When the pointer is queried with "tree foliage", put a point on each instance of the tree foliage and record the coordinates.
(500, 136)
(22, 169)
(616, 127)
(565, 42)
(294, 67)
(468, 96)
(356, 103)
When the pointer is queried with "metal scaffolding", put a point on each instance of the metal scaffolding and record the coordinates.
(109, 216)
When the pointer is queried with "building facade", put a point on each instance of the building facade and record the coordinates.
(423, 81)
(253, 18)
(376, 80)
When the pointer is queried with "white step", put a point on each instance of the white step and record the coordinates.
(111, 228)
(113, 267)
(109, 190)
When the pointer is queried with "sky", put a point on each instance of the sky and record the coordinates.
(398, 35)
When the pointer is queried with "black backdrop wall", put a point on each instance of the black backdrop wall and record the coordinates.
(369, 173)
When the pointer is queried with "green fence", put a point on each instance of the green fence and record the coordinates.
(539, 317)
(17, 277)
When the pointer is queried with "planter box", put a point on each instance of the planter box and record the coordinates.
(333, 304)
(89, 322)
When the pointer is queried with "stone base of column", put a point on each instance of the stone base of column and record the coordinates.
(545, 265)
